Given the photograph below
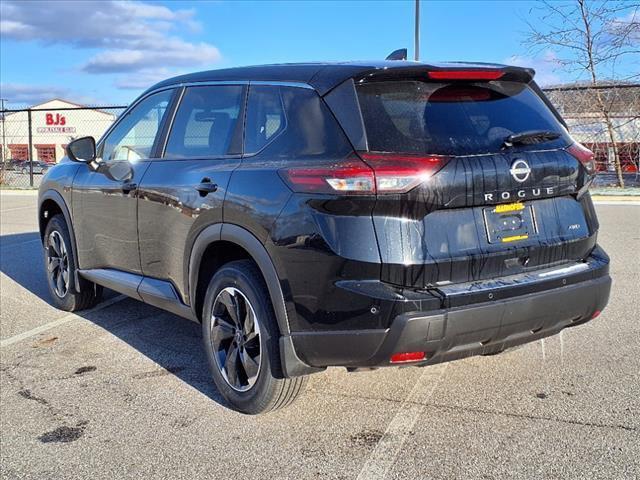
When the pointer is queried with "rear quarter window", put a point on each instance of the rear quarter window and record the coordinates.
(451, 118)
(291, 122)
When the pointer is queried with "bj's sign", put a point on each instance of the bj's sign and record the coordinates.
(55, 123)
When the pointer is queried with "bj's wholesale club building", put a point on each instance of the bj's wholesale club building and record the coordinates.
(53, 125)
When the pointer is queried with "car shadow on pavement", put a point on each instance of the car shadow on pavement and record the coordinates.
(172, 342)
(21, 260)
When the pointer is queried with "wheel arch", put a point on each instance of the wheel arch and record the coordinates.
(223, 233)
(51, 203)
(229, 234)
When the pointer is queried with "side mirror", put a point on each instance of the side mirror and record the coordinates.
(82, 150)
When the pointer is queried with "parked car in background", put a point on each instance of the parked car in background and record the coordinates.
(359, 215)
(12, 164)
(38, 167)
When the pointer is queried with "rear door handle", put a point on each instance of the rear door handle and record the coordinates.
(206, 187)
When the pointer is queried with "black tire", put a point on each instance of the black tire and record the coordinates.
(241, 281)
(65, 298)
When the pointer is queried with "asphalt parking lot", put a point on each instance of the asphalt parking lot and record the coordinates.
(122, 391)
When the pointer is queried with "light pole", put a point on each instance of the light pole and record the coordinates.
(416, 40)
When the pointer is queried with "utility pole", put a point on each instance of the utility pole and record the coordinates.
(416, 40)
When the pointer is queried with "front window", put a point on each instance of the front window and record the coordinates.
(133, 137)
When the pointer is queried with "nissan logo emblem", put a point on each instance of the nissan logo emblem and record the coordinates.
(520, 170)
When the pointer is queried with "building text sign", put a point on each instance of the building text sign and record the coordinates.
(55, 123)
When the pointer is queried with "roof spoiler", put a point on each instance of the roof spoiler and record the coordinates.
(400, 54)
(452, 73)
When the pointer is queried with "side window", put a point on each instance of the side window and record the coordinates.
(205, 123)
(133, 137)
(265, 117)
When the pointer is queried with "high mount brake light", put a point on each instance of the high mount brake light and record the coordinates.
(584, 156)
(465, 74)
(375, 172)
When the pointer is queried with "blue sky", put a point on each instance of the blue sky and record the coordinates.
(108, 52)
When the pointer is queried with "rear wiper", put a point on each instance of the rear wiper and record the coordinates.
(531, 137)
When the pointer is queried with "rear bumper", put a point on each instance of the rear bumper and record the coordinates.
(461, 331)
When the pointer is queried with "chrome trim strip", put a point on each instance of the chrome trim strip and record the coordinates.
(282, 84)
(516, 280)
(244, 82)
(563, 271)
(205, 83)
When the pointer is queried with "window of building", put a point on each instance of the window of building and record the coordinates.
(19, 152)
(206, 122)
(46, 153)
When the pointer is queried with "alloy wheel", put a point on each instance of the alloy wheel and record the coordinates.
(235, 337)
(58, 264)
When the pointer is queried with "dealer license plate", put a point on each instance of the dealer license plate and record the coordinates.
(511, 222)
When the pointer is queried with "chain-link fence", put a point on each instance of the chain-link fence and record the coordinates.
(34, 139)
(605, 118)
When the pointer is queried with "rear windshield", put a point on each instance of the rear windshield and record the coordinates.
(451, 119)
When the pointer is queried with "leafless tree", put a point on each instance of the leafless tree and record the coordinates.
(590, 39)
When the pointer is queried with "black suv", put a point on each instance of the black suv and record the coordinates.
(353, 214)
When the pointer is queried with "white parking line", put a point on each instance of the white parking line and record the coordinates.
(384, 455)
(30, 207)
(617, 202)
(56, 323)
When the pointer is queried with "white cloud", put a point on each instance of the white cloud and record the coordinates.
(145, 79)
(545, 66)
(21, 94)
(178, 54)
(134, 37)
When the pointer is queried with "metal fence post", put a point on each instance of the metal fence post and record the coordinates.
(30, 149)
(3, 147)
(2, 113)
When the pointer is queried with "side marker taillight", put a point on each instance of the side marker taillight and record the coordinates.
(585, 156)
(406, 357)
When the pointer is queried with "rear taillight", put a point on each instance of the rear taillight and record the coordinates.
(399, 173)
(374, 173)
(465, 74)
(584, 156)
(351, 177)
